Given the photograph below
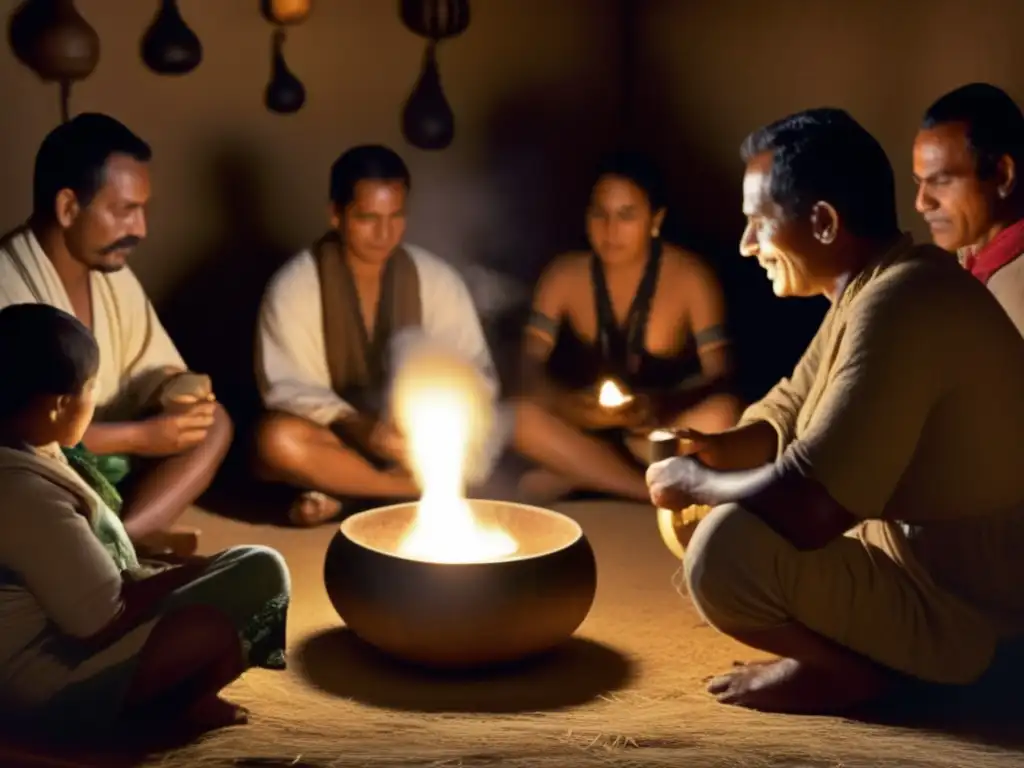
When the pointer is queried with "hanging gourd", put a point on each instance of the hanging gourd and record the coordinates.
(170, 47)
(51, 38)
(427, 119)
(284, 93)
(287, 11)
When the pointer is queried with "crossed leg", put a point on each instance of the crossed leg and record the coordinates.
(314, 459)
(847, 621)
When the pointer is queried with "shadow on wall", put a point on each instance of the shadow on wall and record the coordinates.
(705, 215)
(213, 317)
(538, 160)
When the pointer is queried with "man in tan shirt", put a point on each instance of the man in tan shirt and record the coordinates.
(91, 186)
(967, 157)
(868, 513)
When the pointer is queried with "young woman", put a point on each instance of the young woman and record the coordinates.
(90, 636)
(635, 309)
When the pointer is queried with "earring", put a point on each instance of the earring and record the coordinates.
(53, 417)
(1002, 194)
(655, 231)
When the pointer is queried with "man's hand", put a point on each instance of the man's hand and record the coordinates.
(184, 387)
(385, 440)
(707, 448)
(702, 446)
(183, 425)
(671, 483)
(371, 437)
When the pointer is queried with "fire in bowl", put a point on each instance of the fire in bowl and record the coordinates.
(529, 597)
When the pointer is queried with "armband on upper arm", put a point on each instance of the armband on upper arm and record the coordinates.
(543, 324)
(712, 336)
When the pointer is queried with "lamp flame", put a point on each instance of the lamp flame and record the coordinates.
(612, 396)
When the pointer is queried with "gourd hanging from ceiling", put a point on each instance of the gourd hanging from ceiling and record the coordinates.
(427, 119)
(284, 93)
(170, 47)
(51, 38)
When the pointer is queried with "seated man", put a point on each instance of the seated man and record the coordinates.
(643, 313)
(90, 189)
(324, 342)
(868, 512)
(966, 158)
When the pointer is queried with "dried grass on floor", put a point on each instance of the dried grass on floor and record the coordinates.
(628, 694)
(686, 731)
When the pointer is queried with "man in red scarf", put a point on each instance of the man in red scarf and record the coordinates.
(968, 160)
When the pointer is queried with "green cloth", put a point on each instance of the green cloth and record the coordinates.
(102, 473)
(262, 631)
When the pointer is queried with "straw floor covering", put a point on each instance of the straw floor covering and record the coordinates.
(627, 691)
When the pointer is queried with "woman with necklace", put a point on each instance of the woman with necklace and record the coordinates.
(642, 313)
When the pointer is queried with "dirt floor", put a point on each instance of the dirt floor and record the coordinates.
(627, 691)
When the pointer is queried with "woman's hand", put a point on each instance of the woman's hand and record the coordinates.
(585, 411)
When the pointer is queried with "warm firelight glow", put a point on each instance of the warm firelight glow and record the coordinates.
(612, 396)
(443, 407)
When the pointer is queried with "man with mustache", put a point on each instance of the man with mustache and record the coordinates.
(967, 155)
(868, 512)
(157, 423)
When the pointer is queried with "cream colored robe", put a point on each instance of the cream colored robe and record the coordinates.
(133, 343)
(291, 356)
(291, 365)
(1007, 285)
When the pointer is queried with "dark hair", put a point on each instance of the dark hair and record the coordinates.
(995, 125)
(47, 352)
(367, 162)
(74, 156)
(638, 168)
(825, 155)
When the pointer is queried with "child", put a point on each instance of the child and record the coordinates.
(89, 635)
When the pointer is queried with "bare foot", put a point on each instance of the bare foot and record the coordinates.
(736, 665)
(313, 508)
(540, 486)
(157, 733)
(789, 686)
(212, 713)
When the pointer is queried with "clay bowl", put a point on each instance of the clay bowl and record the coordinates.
(462, 615)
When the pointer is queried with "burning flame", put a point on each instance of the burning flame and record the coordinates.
(611, 396)
(444, 409)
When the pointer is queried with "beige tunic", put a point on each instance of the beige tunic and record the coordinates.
(57, 581)
(1007, 285)
(908, 407)
(291, 356)
(132, 340)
